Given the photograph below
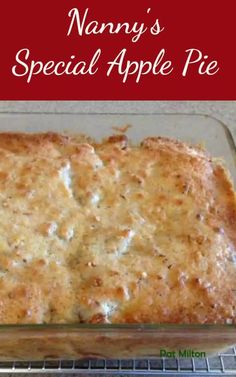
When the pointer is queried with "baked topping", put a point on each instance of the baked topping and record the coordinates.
(112, 233)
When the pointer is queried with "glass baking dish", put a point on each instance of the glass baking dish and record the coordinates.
(73, 341)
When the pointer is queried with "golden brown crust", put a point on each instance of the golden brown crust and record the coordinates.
(108, 232)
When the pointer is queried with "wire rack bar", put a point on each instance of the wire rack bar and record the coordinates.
(223, 364)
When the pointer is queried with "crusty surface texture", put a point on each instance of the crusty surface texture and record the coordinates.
(114, 233)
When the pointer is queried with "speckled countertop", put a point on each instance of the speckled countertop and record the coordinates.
(222, 110)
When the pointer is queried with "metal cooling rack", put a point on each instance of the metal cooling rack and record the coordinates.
(223, 364)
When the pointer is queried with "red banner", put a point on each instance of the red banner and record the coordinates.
(124, 50)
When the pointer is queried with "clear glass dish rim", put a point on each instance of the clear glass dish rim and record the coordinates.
(116, 327)
(230, 137)
(126, 326)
